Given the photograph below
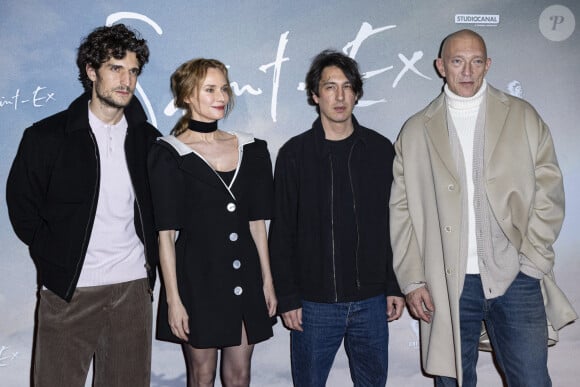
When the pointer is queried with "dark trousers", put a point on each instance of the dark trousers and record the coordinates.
(110, 323)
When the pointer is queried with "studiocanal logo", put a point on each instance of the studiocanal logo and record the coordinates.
(478, 20)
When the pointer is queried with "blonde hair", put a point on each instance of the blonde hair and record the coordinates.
(187, 80)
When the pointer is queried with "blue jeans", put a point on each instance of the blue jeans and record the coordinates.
(362, 325)
(517, 329)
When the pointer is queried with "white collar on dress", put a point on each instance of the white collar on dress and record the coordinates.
(183, 149)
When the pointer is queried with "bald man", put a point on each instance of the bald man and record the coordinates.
(476, 205)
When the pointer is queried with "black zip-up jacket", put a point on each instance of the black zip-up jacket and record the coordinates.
(53, 187)
(301, 240)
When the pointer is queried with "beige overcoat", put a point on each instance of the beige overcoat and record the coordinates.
(524, 187)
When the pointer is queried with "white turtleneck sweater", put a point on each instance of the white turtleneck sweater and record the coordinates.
(463, 111)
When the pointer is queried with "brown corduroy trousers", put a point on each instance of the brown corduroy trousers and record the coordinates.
(110, 324)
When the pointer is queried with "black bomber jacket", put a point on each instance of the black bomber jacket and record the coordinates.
(300, 232)
(53, 187)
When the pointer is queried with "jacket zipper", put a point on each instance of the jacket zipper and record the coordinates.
(147, 266)
(355, 217)
(332, 227)
(93, 203)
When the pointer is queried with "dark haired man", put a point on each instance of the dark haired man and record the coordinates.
(78, 196)
(329, 246)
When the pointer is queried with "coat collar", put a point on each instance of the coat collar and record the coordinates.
(78, 117)
(497, 112)
(198, 167)
(319, 136)
(182, 149)
(436, 124)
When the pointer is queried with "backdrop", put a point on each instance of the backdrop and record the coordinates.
(268, 46)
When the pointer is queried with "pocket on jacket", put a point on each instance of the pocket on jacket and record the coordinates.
(58, 229)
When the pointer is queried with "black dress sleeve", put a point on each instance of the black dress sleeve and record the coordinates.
(261, 200)
(167, 185)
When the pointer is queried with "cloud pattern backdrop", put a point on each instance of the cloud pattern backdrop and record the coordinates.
(268, 46)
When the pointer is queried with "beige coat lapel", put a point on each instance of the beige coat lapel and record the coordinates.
(438, 134)
(496, 115)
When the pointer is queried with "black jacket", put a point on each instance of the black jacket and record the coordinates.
(53, 187)
(301, 242)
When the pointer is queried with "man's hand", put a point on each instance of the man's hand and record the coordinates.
(395, 306)
(420, 304)
(293, 319)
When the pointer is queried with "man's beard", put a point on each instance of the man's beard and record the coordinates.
(109, 101)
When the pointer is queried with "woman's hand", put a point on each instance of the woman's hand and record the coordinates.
(258, 231)
(177, 315)
(178, 320)
(270, 295)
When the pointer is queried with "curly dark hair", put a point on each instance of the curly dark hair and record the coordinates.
(106, 42)
(328, 58)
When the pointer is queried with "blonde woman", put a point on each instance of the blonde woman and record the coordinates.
(212, 191)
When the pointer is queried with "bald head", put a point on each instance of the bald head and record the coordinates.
(461, 34)
(463, 62)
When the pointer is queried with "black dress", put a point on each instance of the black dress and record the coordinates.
(217, 265)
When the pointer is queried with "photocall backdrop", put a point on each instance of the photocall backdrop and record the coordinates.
(268, 46)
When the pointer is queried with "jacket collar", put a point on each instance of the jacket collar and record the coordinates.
(183, 150)
(78, 117)
(199, 167)
(436, 124)
(496, 116)
(319, 136)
